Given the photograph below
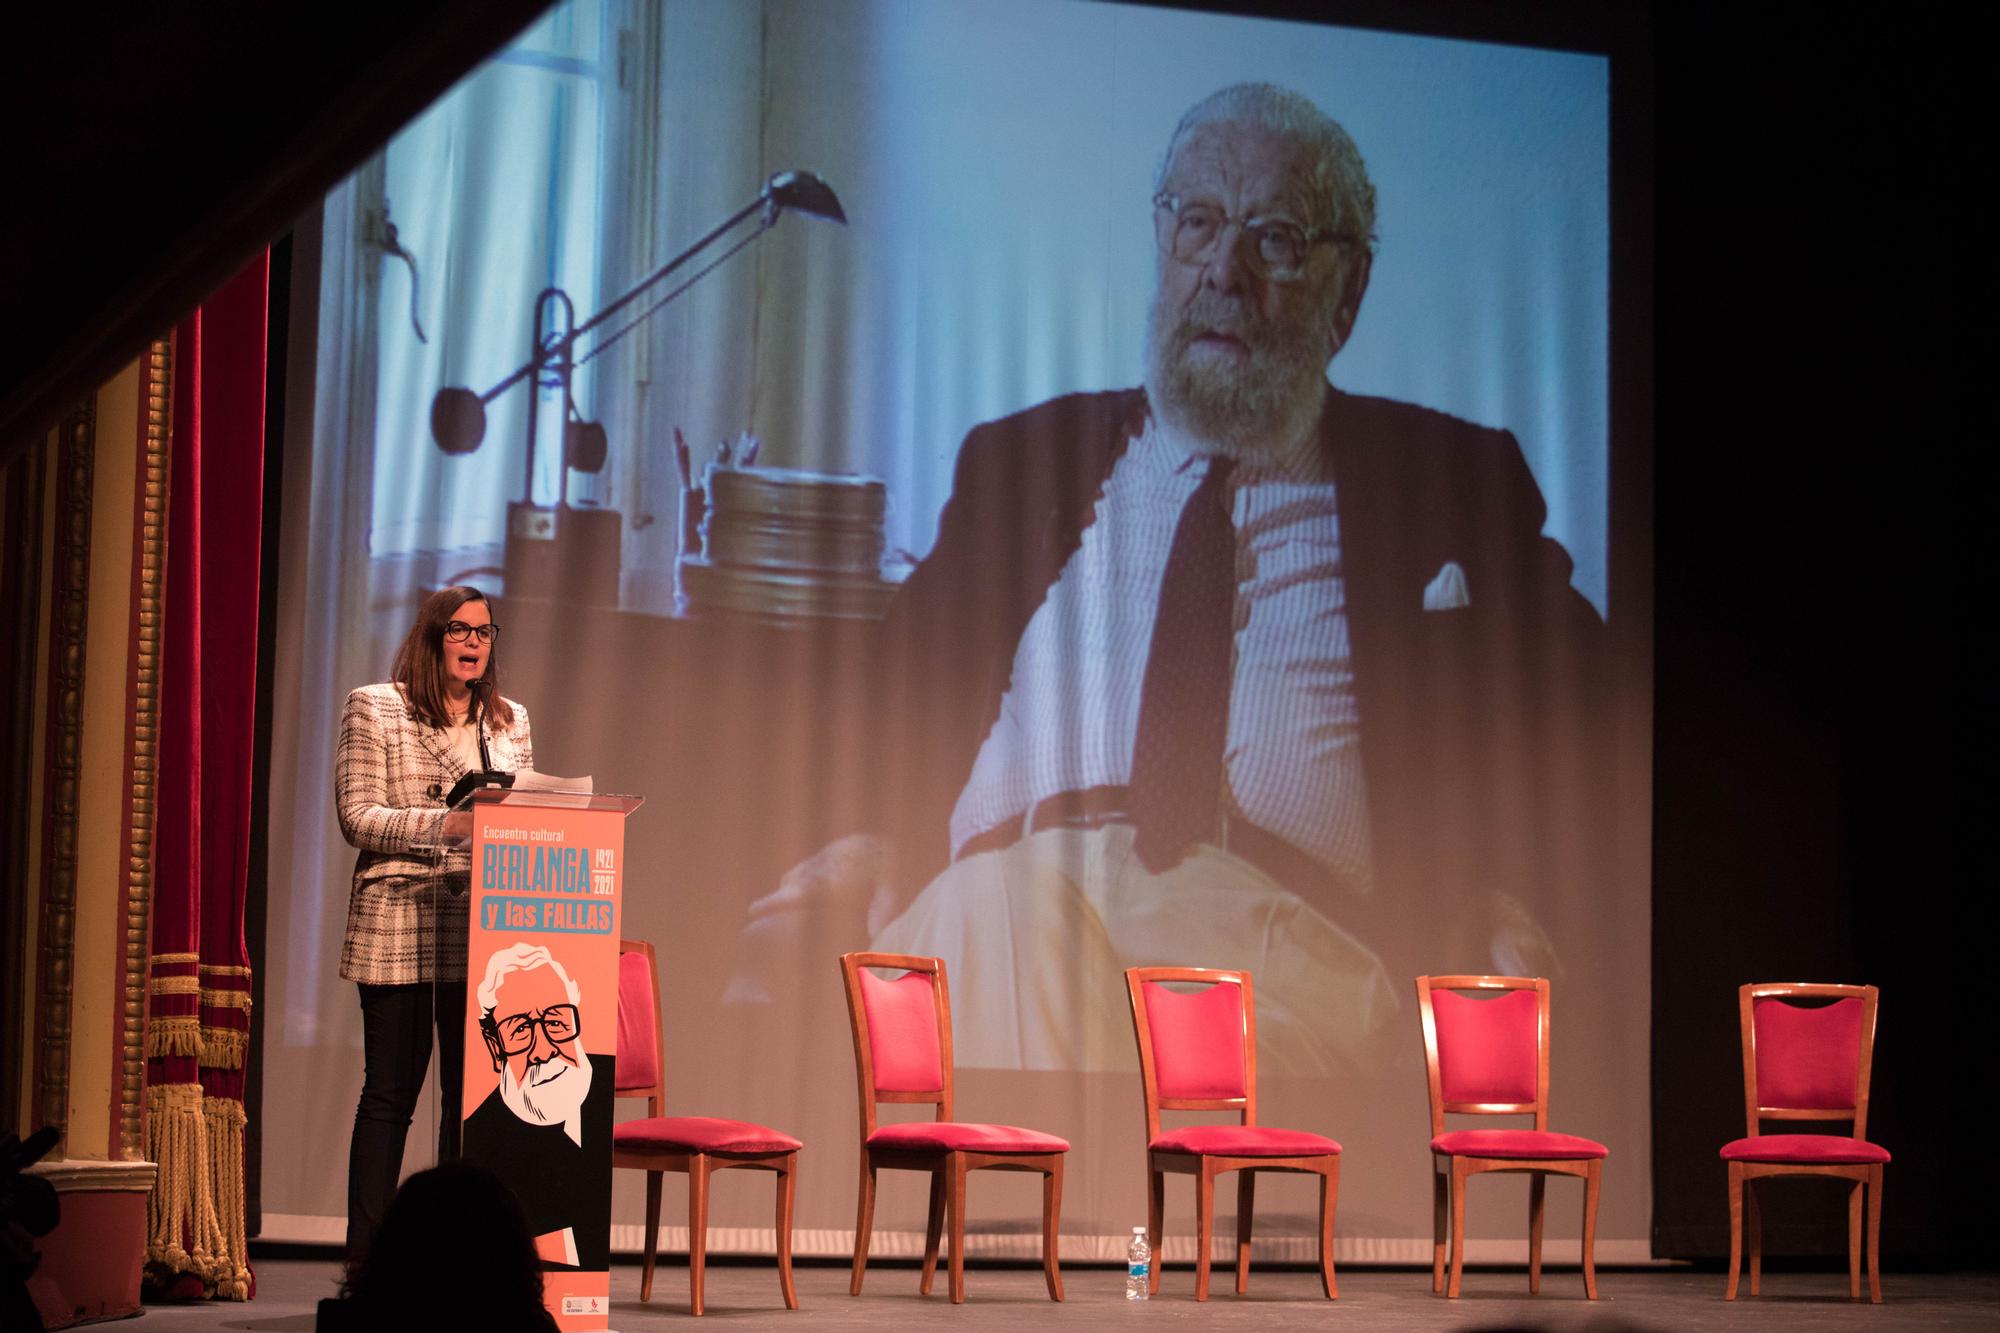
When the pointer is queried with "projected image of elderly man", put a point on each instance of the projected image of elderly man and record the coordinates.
(1235, 668)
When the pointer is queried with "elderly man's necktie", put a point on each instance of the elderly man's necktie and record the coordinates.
(1184, 700)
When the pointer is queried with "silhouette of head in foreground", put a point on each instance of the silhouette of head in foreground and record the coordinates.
(453, 1251)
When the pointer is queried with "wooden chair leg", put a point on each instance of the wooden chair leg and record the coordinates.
(652, 1235)
(1052, 1228)
(698, 1169)
(1246, 1204)
(1458, 1177)
(1854, 1193)
(1538, 1184)
(864, 1224)
(1735, 1229)
(933, 1230)
(1753, 1221)
(954, 1208)
(788, 1175)
(1156, 1212)
(1593, 1178)
(1329, 1199)
(1440, 1220)
(1875, 1233)
(1204, 1214)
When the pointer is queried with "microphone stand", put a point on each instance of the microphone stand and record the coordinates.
(563, 550)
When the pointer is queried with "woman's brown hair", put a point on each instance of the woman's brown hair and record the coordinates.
(419, 665)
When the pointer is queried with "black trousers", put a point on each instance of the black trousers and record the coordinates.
(396, 1023)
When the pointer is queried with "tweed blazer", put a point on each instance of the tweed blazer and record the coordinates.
(404, 922)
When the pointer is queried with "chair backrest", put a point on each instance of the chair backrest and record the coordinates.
(902, 1031)
(641, 1053)
(1486, 1053)
(1807, 1063)
(1197, 1049)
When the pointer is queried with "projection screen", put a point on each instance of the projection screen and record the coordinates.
(880, 681)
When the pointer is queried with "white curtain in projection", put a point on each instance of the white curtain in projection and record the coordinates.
(997, 165)
(498, 192)
(495, 192)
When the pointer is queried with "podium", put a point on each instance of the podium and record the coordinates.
(541, 1023)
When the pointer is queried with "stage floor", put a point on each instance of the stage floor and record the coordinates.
(744, 1296)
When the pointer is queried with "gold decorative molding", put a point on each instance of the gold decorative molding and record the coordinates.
(23, 492)
(97, 1177)
(76, 452)
(156, 376)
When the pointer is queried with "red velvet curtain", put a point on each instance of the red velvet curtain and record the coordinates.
(199, 979)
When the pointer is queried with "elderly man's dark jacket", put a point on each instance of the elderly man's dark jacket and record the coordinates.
(1479, 724)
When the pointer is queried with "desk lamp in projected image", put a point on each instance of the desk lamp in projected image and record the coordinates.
(572, 551)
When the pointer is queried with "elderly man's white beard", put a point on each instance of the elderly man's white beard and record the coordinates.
(1252, 412)
(557, 1098)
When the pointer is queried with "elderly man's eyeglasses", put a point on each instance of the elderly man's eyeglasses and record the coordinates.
(459, 632)
(515, 1034)
(1190, 230)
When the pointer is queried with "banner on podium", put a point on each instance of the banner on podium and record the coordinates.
(541, 1026)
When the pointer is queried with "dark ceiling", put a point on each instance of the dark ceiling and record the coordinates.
(151, 148)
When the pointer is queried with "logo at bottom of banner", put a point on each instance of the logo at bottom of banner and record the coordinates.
(580, 1302)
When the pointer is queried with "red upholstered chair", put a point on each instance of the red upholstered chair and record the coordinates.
(1491, 1057)
(902, 1053)
(1198, 1052)
(698, 1145)
(1804, 1063)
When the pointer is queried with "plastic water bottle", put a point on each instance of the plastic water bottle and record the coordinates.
(1138, 1267)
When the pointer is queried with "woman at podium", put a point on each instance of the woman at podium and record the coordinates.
(404, 744)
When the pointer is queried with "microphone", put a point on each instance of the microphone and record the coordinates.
(478, 691)
(585, 446)
(458, 420)
(487, 776)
